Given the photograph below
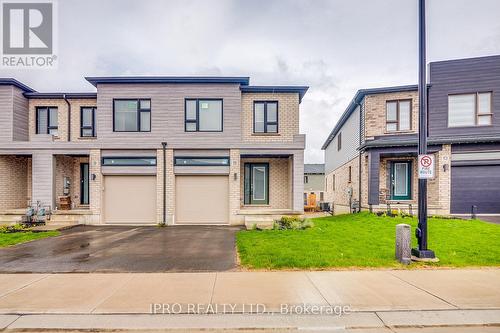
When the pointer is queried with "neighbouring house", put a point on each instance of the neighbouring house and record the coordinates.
(146, 150)
(314, 182)
(370, 155)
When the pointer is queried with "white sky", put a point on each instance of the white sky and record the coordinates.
(335, 46)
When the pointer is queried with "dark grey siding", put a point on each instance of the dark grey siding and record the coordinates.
(477, 185)
(462, 76)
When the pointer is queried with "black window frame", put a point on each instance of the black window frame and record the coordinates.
(138, 117)
(197, 120)
(248, 192)
(49, 127)
(83, 127)
(202, 157)
(104, 158)
(339, 141)
(266, 122)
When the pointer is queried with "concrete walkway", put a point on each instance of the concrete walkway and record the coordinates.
(383, 297)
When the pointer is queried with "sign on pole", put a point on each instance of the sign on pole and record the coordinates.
(426, 166)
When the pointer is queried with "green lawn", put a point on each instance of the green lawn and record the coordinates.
(8, 239)
(367, 240)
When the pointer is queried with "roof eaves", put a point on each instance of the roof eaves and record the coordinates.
(95, 80)
(13, 82)
(84, 95)
(301, 90)
(356, 100)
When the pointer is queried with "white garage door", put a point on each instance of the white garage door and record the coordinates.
(130, 199)
(202, 199)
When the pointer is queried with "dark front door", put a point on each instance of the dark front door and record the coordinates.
(477, 185)
(84, 183)
(401, 180)
(256, 184)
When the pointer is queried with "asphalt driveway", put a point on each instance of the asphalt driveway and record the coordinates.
(126, 249)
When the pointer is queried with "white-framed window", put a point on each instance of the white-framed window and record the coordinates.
(470, 109)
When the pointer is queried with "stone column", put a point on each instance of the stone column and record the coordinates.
(234, 187)
(170, 186)
(298, 181)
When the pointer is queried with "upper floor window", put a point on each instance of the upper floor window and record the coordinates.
(265, 117)
(132, 115)
(87, 121)
(339, 141)
(470, 109)
(203, 115)
(398, 115)
(46, 120)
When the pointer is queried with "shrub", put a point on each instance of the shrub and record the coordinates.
(292, 223)
(8, 229)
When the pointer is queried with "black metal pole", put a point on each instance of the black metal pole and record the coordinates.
(422, 251)
(164, 145)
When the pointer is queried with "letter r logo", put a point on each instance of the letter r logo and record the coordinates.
(27, 28)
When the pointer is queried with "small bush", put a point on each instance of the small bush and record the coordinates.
(292, 223)
(8, 229)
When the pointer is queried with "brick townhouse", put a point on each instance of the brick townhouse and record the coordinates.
(145, 150)
(370, 155)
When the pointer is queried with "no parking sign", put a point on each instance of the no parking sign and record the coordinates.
(426, 166)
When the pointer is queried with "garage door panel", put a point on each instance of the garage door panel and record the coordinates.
(477, 185)
(202, 199)
(130, 199)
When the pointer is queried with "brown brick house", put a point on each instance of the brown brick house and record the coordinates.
(370, 155)
(145, 150)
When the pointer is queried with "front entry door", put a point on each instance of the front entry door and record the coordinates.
(401, 180)
(84, 183)
(256, 183)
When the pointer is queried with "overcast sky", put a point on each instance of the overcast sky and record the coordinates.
(336, 46)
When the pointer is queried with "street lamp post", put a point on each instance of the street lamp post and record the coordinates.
(422, 251)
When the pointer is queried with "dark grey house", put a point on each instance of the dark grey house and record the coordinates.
(370, 155)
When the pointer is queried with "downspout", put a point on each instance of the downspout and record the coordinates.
(164, 145)
(69, 117)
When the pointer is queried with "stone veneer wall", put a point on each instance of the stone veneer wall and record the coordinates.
(280, 190)
(13, 182)
(375, 113)
(338, 195)
(288, 116)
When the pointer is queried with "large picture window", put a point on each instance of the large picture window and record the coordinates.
(87, 121)
(265, 117)
(132, 115)
(470, 110)
(46, 120)
(398, 115)
(203, 115)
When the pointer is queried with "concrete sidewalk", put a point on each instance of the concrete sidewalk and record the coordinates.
(401, 297)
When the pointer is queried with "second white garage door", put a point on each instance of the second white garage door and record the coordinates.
(201, 200)
(130, 199)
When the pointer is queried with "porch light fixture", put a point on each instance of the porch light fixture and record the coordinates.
(94, 176)
(235, 175)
